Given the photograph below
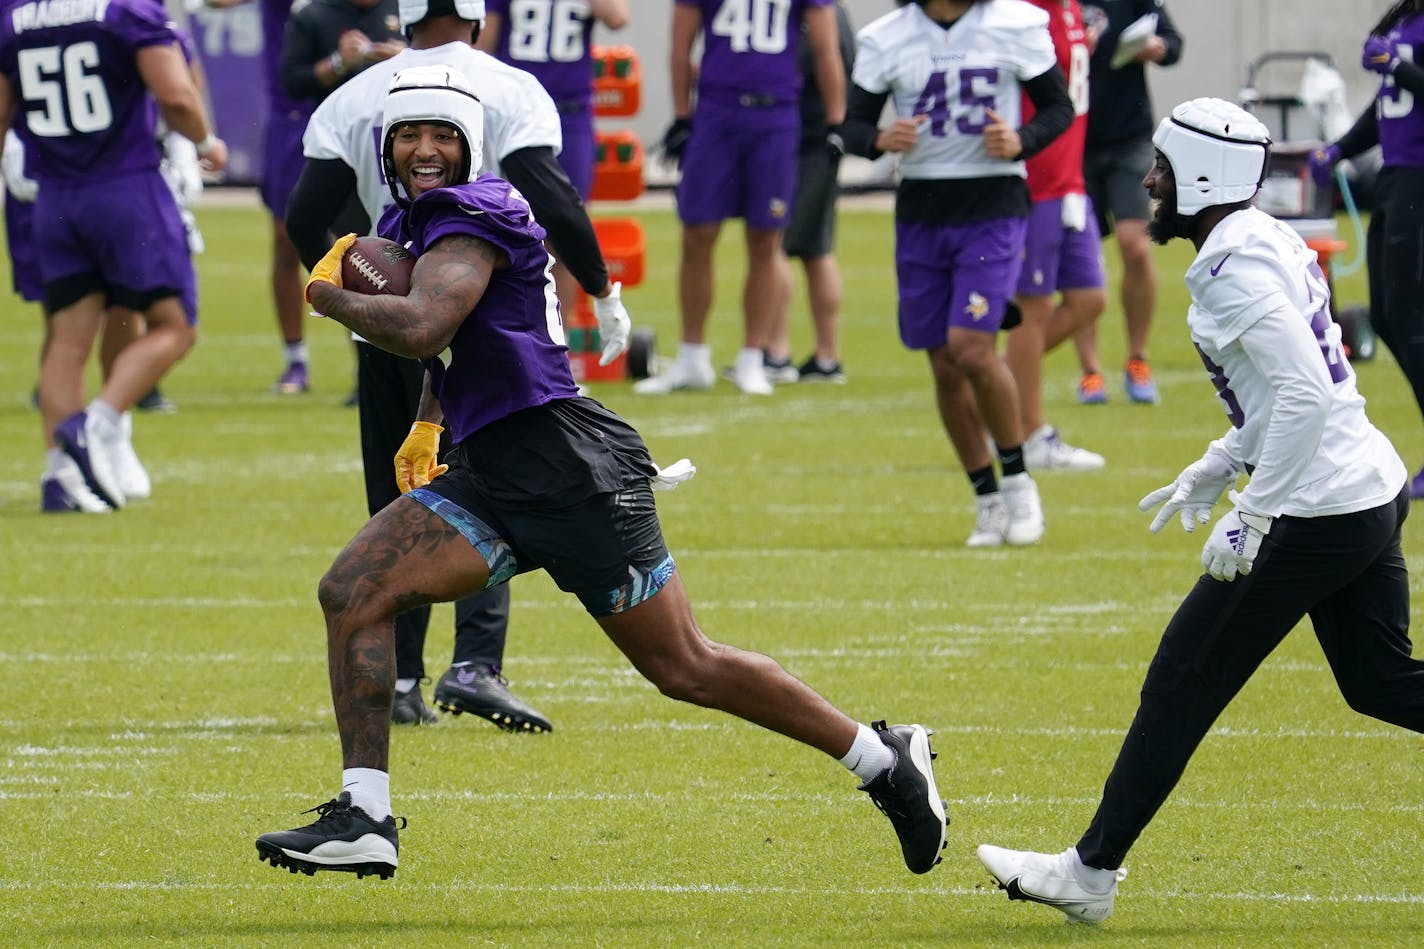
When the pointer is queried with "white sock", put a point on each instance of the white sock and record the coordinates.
(296, 352)
(405, 685)
(826, 365)
(55, 459)
(751, 358)
(104, 412)
(1092, 878)
(370, 790)
(868, 755)
(694, 354)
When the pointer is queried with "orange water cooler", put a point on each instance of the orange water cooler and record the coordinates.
(617, 176)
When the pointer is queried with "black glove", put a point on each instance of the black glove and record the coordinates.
(835, 144)
(675, 140)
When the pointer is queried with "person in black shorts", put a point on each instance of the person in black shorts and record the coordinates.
(810, 234)
(539, 478)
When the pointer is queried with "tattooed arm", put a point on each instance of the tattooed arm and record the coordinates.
(448, 280)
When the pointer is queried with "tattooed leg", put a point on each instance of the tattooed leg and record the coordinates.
(404, 557)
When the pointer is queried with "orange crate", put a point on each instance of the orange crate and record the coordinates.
(622, 243)
(617, 166)
(617, 81)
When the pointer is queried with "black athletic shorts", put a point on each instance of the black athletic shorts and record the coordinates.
(564, 487)
(811, 230)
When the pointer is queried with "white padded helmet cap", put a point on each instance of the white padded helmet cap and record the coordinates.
(413, 11)
(434, 94)
(1217, 151)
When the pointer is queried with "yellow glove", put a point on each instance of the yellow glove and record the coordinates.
(415, 462)
(328, 269)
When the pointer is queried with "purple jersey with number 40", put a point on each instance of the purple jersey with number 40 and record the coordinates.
(509, 353)
(749, 49)
(81, 102)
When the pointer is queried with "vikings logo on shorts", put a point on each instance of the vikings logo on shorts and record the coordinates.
(777, 208)
(978, 307)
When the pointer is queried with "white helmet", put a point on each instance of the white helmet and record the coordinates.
(433, 94)
(1217, 151)
(413, 11)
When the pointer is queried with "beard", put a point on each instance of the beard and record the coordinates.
(1166, 223)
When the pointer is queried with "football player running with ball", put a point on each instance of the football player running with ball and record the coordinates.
(1316, 531)
(539, 478)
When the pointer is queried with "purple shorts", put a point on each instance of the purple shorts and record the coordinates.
(24, 256)
(123, 234)
(282, 155)
(955, 275)
(1056, 258)
(576, 157)
(740, 162)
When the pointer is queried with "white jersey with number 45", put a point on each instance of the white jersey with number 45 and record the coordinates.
(1260, 319)
(954, 77)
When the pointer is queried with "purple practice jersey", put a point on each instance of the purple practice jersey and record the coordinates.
(509, 353)
(551, 39)
(80, 97)
(749, 51)
(1401, 120)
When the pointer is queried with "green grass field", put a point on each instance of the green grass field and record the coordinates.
(166, 698)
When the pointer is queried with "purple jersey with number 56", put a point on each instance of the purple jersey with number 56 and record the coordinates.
(749, 49)
(509, 353)
(81, 103)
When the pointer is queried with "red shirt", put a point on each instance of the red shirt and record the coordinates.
(1058, 169)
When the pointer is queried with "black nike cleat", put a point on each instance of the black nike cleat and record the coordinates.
(905, 792)
(344, 837)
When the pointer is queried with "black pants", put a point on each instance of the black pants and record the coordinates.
(388, 393)
(1347, 573)
(1395, 245)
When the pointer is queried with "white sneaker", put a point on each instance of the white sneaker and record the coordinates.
(133, 477)
(991, 521)
(678, 374)
(1055, 880)
(1025, 510)
(749, 373)
(63, 489)
(1045, 451)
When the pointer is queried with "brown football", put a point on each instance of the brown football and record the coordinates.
(376, 265)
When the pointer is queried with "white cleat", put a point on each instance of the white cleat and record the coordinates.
(678, 375)
(64, 489)
(133, 477)
(1054, 879)
(1025, 510)
(749, 373)
(991, 521)
(1045, 451)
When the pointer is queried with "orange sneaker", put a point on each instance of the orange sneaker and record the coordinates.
(1092, 389)
(1140, 387)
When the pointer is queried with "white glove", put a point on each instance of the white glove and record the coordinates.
(181, 170)
(673, 475)
(21, 188)
(1194, 493)
(614, 324)
(1234, 543)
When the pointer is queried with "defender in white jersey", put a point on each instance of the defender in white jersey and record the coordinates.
(521, 141)
(1316, 532)
(957, 71)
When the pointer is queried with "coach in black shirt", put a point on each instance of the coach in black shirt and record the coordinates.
(328, 41)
